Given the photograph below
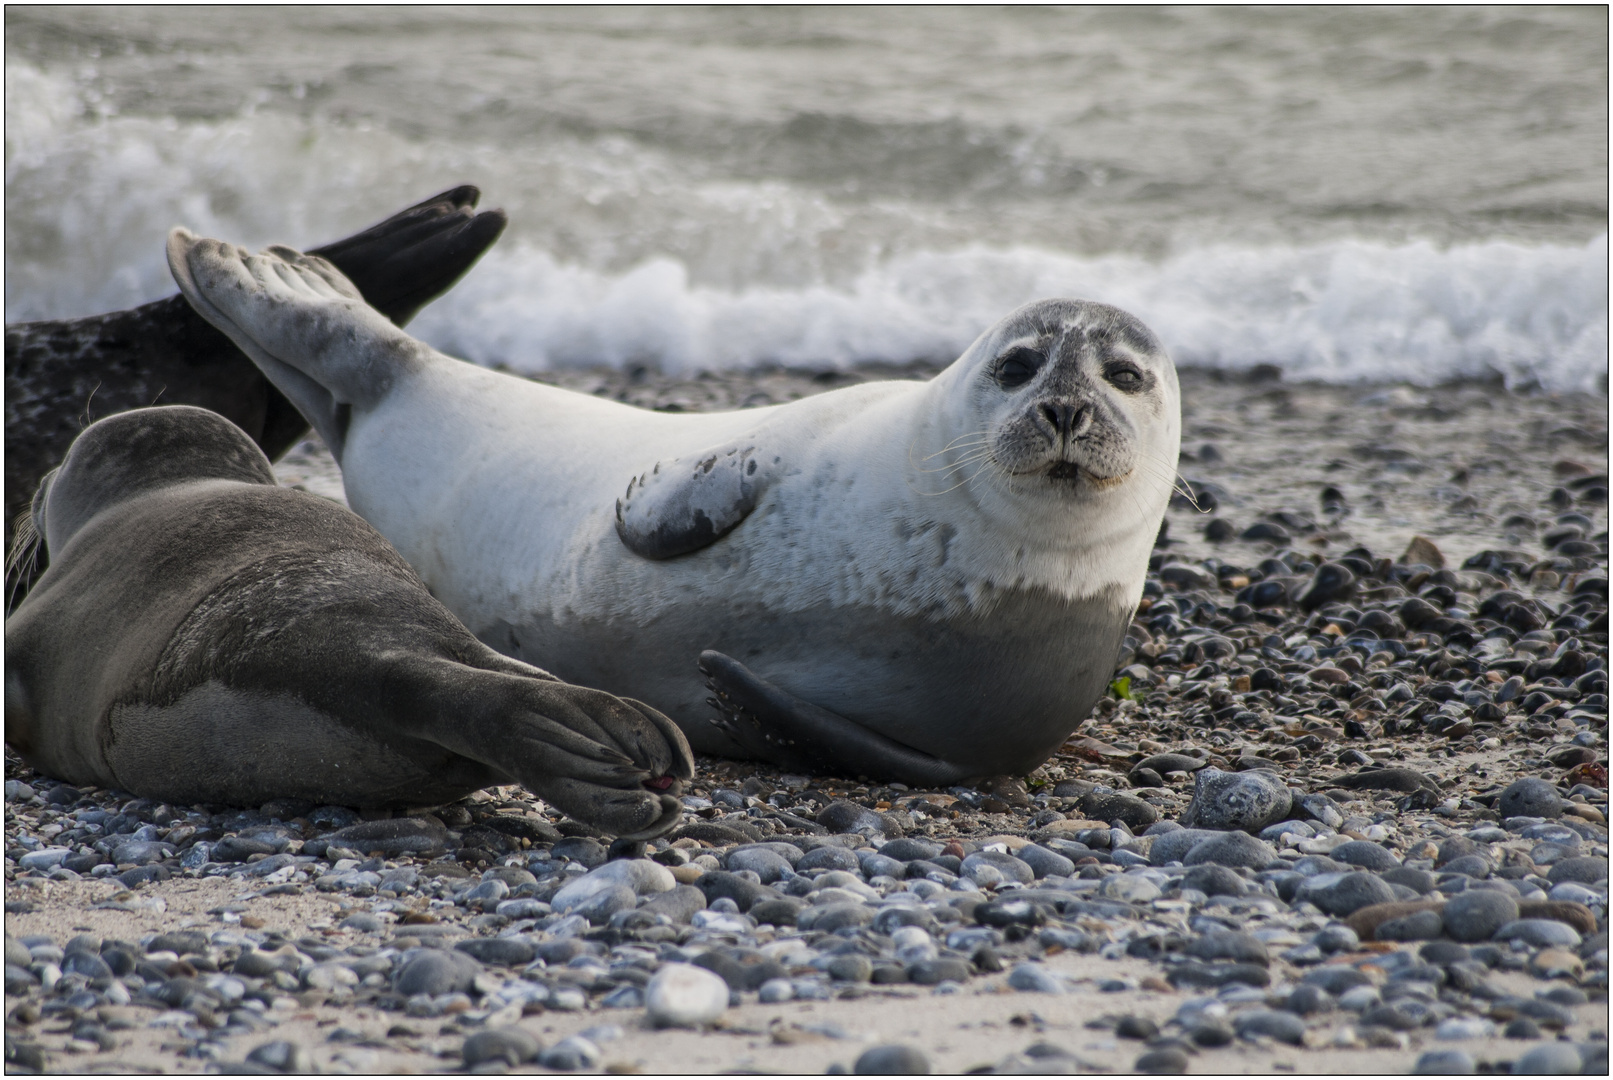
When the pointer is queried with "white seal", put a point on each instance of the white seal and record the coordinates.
(925, 581)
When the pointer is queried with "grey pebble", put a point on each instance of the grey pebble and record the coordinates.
(895, 1059)
(1476, 914)
(1212, 879)
(1541, 933)
(1285, 1027)
(282, 1056)
(1009, 866)
(1166, 1062)
(1231, 849)
(1444, 1063)
(1034, 978)
(1418, 926)
(1231, 945)
(1550, 1059)
(436, 971)
(510, 1045)
(1585, 870)
(571, 1054)
(508, 951)
(1345, 894)
(1365, 854)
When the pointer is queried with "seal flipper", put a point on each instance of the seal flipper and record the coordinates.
(777, 726)
(691, 502)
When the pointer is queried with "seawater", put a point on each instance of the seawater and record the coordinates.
(1350, 194)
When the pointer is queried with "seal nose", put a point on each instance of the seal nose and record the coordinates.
(1070, 419)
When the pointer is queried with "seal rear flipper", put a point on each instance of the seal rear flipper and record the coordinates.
(777, 726)
(691, 502)
(417, 254)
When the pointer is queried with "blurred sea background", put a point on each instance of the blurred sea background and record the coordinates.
(1352, 194)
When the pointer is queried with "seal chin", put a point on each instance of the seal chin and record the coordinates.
(1064, 473)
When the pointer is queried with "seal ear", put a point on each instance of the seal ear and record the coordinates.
(690, 502)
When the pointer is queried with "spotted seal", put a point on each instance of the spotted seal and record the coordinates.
(203, 635)
(60, 374)
(926, 581)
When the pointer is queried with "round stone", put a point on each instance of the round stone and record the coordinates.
(851, 967)
(682, 995)
(1011, 868)
(1130, 888)
(770, 866)
(1034, 978)
(1473, 866)
(436, 971)
(1212, 879)
(1341, 895)
(1476, 914)
(1365, 854)
(1285, 1027)
(1231, 849)
(1044, 863)
(1541, 933)
(1550, 1059)
(1168, 1061)
(1586, 870)
(282, 1056)
(893, 1059)
(508, 951)
(510, 1045)
(1418, 926)
(1530, 797)
(1444, 1063)
(829, 857)
(571, 1054)
(1244, 800)
(1173, 846)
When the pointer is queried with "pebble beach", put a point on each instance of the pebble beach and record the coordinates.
(1344, 809)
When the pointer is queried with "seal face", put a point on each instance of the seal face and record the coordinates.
(203, 635)
(924, 581)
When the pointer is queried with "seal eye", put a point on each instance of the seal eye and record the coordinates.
(1124, 375)
(1018, 367)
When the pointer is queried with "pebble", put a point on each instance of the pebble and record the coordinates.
(1541, 933)
(1342, 894)
(1476, 914)
(1231, 849)
(572, 1054)
(1285, 1027)
(1444, 1063)
(1035, 978)
(1550, 1059)
(895, 1059)
(511, 1045)
(436, 972)
(682, 995)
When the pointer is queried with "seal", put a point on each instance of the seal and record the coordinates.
(203, 635)
(925, 581)
(59, 373)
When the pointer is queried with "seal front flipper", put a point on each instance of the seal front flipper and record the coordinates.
(691, 502)
(795, 734)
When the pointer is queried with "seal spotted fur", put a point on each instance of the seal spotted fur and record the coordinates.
(203, 635)
(923, 581)
(61, 373)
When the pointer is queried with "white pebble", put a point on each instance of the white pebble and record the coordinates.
(682, 995)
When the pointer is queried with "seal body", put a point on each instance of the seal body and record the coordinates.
(936, 574)
(203, 635)
(61, 374)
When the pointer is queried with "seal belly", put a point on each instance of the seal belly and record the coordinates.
(1027, 671)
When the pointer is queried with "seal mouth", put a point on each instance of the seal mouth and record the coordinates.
(1064, 470)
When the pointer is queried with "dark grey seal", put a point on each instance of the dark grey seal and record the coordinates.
(203, 635)
(60, 374)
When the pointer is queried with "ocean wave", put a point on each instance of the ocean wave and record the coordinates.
(1348, 311)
